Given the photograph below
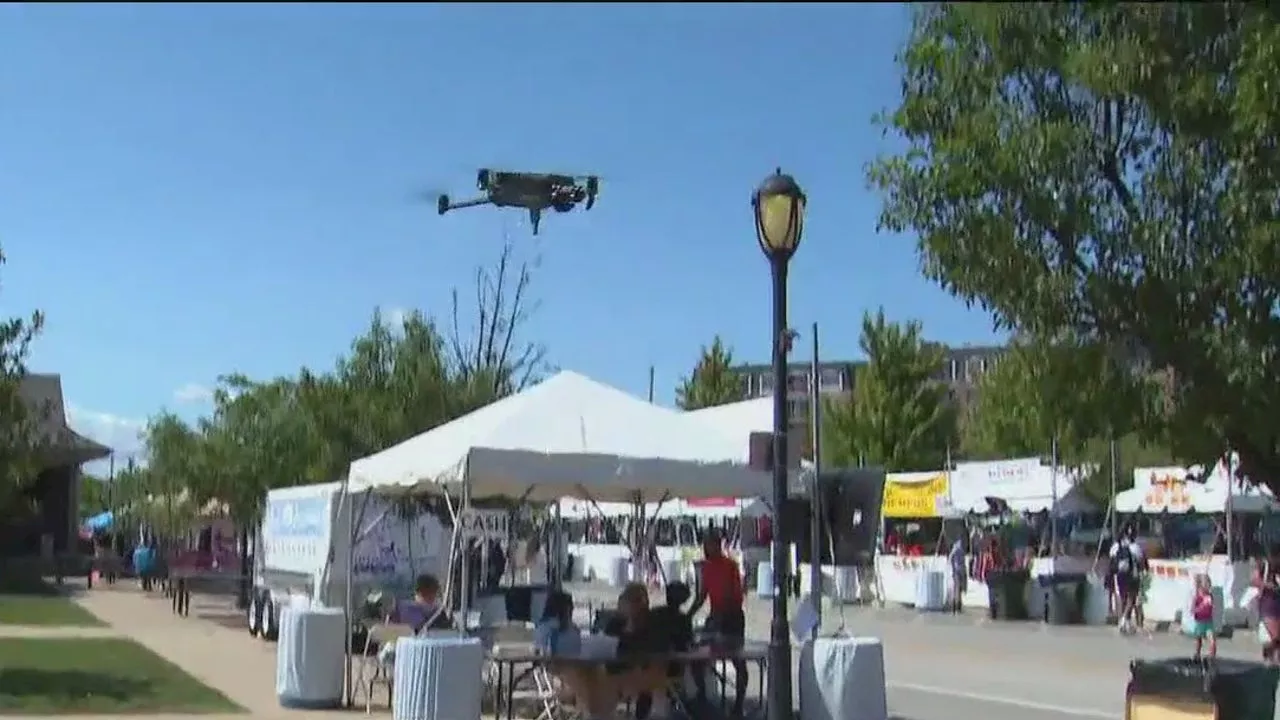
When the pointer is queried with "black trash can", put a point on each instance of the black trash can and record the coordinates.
(1221, 689)
(1064, 596)
(1007, 594)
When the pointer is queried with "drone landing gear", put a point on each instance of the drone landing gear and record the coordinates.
(535, 217)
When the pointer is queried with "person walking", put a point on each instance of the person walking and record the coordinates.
(1202, 617)
(1266, 578)
(1126, 558)
(957, 560)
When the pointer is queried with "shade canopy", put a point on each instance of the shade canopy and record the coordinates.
(568, 436)
(100, 522)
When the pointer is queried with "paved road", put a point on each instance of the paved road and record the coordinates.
(946, 667)
(937, 667)
(941, 667)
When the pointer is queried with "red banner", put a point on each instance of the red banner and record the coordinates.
(712, 503)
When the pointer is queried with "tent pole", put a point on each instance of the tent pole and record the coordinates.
(1229, 462)
(815, 492)
(464, 606)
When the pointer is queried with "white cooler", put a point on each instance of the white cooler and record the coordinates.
(764, 579)
(931, 590)
(619, 572)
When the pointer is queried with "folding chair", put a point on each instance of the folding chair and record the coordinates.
(550, 695)
(378, 668)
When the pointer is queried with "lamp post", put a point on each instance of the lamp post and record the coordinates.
(779, 209)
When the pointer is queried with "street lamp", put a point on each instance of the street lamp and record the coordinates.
(779, 209)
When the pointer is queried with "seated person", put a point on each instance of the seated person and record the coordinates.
(425, 611)
(638, 674)
(671, 622)
(675, 626)
(555, 633)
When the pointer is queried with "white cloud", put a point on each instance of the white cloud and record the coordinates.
(192, 393)
(122, 434)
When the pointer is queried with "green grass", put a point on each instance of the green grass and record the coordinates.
(46, 676)
(31, 601)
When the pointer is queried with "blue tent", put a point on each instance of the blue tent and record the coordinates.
(98, 523)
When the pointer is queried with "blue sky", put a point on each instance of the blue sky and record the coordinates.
(188, 190)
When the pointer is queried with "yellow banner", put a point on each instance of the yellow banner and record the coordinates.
(917, 499)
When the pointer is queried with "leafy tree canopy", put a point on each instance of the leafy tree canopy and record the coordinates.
(1038, 392)
(900, 415)
(19, 440)
(1108, 172)
(713, 381)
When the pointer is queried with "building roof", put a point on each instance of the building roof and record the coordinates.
(42, 392)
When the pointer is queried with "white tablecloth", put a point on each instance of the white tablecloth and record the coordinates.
(437, 678)
(310, 658)
(842, 679)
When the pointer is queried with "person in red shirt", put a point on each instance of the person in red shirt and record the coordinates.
(721, 589)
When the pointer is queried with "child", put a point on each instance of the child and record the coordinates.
(1202, 615)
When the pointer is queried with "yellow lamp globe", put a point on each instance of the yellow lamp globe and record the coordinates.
(779, 209)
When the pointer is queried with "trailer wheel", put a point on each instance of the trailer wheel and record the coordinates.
(255, 614)
(270, 621)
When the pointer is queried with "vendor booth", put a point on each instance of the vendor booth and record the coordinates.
(1209, 523)
(567, 437)
(914, 507)
(979, 500)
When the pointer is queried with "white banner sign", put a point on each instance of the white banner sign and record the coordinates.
(483, 524)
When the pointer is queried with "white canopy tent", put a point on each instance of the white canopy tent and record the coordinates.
(568, 436)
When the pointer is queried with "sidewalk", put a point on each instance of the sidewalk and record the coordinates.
(222, 657)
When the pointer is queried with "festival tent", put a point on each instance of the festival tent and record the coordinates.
(739, 419)
(1024, 484)
(1176, 490)
(568, 436)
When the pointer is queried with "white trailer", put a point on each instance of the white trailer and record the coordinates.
(302, 546)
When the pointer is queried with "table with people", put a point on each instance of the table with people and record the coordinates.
(641, 655)
(651, 659)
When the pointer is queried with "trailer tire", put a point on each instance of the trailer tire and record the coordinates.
(270, 620)
(255, 614)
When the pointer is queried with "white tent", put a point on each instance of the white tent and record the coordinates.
(739, 419)
(568, 436)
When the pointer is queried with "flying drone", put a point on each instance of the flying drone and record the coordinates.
(534, 192)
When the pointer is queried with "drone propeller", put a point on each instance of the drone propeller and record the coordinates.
(429, 196)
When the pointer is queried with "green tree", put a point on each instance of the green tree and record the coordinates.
(175, 461)
(713, 381)
(1107, 172)
(900, 415)
(1037, 392)
(94, 495)
(20, 439)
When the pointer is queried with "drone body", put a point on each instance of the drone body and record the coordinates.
(534, 192)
